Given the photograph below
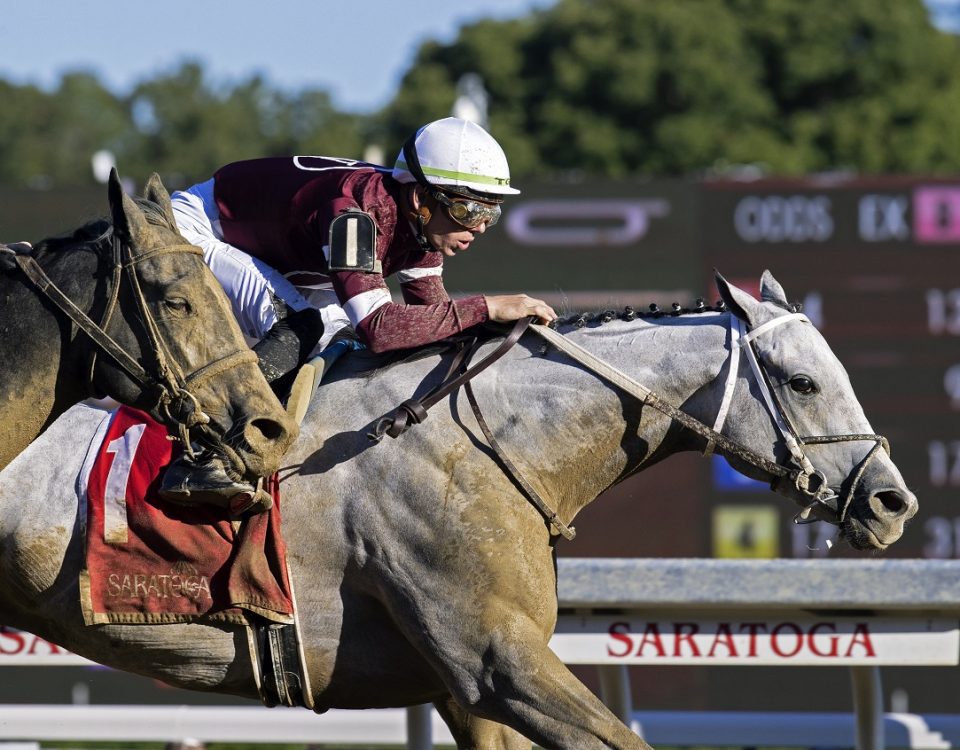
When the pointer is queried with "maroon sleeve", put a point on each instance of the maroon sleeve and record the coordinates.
(399, 326)
(427, 315)
(424, 291)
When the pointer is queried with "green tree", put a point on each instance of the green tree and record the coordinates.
(666, 87)
(187, 129)
(49, 138)
(190, 127)
(179, 124)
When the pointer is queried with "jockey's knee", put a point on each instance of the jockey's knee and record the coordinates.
(287, 345)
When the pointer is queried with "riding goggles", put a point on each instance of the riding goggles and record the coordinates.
(469, 214)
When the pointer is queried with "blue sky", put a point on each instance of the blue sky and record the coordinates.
(355, 50)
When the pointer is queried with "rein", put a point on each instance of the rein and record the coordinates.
(803, 477)
(178, 406)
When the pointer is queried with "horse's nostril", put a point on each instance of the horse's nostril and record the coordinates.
(892, 501)
(269, 428)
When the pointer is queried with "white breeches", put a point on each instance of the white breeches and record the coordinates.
(250, 284)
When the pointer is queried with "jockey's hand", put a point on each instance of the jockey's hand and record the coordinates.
(504, 308)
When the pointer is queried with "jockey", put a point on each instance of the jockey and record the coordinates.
(302, 245)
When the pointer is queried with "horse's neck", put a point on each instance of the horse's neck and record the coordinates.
(579, 435)
(40, 365)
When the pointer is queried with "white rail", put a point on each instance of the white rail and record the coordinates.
(858, 613)
(390, 726)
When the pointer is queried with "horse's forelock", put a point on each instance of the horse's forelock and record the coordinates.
(154, 214)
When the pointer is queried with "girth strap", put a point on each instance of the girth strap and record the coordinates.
(281, 672)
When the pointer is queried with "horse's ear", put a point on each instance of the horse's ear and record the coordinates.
(771, 291)
(156, 192)
(737, 301)
(127, 217)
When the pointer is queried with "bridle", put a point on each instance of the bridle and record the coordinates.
(800, 473)
(175, 403)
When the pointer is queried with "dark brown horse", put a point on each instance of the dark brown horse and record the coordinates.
(166, 339)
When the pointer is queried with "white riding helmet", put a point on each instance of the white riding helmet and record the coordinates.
(457, 155)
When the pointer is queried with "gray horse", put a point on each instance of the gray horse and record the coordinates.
(422, 572)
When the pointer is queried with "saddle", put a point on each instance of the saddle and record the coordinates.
(148, 560)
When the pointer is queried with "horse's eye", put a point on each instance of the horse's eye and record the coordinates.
(177, 304)
(802, 384)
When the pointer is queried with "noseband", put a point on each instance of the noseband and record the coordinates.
(175, 402)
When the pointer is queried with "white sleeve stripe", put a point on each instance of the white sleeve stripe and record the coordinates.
(412, 274)
(360, 306)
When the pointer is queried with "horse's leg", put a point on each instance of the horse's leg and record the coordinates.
(540, 697)
(509, 675)
(474, 733)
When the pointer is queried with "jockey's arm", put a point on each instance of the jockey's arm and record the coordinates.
(426, 315)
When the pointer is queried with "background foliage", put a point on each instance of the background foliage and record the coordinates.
(601, 87)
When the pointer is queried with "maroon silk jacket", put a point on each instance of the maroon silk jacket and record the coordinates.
(279, 210)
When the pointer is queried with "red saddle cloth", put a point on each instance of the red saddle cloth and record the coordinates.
(151, 561)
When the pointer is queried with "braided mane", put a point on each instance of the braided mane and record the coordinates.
(653, 311)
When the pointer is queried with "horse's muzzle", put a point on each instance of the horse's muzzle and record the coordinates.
(876, 520)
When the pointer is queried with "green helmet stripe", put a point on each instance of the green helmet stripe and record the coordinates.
(465, 176)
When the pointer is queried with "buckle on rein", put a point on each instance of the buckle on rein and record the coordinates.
(814, 484)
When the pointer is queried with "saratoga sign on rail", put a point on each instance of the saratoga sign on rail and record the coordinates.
(839, 641)
(18, 648)
(626, 639)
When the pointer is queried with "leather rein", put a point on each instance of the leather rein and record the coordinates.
(176, 403)
(802, 476)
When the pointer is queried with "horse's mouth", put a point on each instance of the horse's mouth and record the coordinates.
(862, 537)
(228, 442)
(234, 464)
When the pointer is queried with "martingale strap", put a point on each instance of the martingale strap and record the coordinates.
(414, 411)
(282, 675)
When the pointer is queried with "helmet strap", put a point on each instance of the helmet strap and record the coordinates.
(413, 161)
(419, 217)
(421, 236)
